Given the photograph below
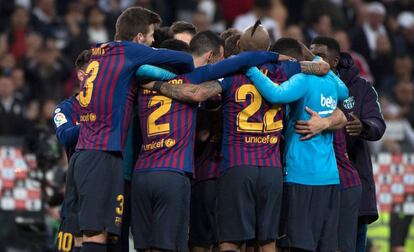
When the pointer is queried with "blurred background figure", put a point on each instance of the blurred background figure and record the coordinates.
(261, 10)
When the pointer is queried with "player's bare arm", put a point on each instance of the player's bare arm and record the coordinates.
(186, 92)
(307, 54)
(316, 124)
(314, 67)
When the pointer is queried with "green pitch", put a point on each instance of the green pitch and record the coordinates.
(379, 233)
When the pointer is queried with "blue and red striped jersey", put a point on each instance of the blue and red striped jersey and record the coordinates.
(109, 90)
(168, 131)
(208, 162)
(168, 127)
(348, 174)
(66, 120)
(252, 126)
(208, 151)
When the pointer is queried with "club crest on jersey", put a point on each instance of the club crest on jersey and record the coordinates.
(60, 119)
(349, 103)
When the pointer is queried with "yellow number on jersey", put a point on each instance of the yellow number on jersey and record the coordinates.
(243, 124)
(152, 127)
(269, 119)
(120, 209)
(65, 241)
(85, 96)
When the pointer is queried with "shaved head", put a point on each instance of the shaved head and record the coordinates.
(255, 38)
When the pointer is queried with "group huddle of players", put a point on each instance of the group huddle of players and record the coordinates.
(213, 168)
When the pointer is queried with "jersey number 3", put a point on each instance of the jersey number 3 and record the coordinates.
(85, 95)
(268, 123)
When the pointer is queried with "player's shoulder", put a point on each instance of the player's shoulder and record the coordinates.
(66, 105)
(191, 77)
(128, 45)
(63, 111)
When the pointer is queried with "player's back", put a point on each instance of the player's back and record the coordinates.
(315, 156)
(252, 126)
(168, 131)
(108, 92)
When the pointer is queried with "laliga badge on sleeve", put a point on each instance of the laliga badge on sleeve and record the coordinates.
(60, 119)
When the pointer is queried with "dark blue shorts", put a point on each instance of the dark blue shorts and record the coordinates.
(203, 223)
(69, 227)
(310, 217)
(348, 218)
(249, 203)
(99, 182)
(160, 210)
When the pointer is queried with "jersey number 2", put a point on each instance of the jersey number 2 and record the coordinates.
(165, 105)
(268, 123)
(85, 95)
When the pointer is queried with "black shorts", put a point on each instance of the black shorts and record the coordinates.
(203, 226)
(69, 226)
(98, 176)
(399, 225)
(122, 244)
(249, 203)
(161, 210)
(310, 217)
(348, 218)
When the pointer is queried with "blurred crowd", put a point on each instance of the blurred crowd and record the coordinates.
(40, 39)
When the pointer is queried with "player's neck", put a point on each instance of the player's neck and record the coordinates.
(199, 61)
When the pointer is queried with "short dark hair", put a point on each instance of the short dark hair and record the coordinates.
(331, 43)
(134, 20)
(287, 46)
(228, 33)
(263, 4)
(182, 26)
(176, 45)
(230, 45)
(206, 41)
(82, 59)
(160, 35)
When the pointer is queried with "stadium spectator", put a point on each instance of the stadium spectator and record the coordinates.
(360, 62)
(44, 17)
(403, 71)
(295, 32)
(371, 40)
(47, 71)
(405, 39)
(97, 32)
(22, 90)
(261, 10)
(18, 31)
(399, 136)
(11, 109)
(320, 26)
